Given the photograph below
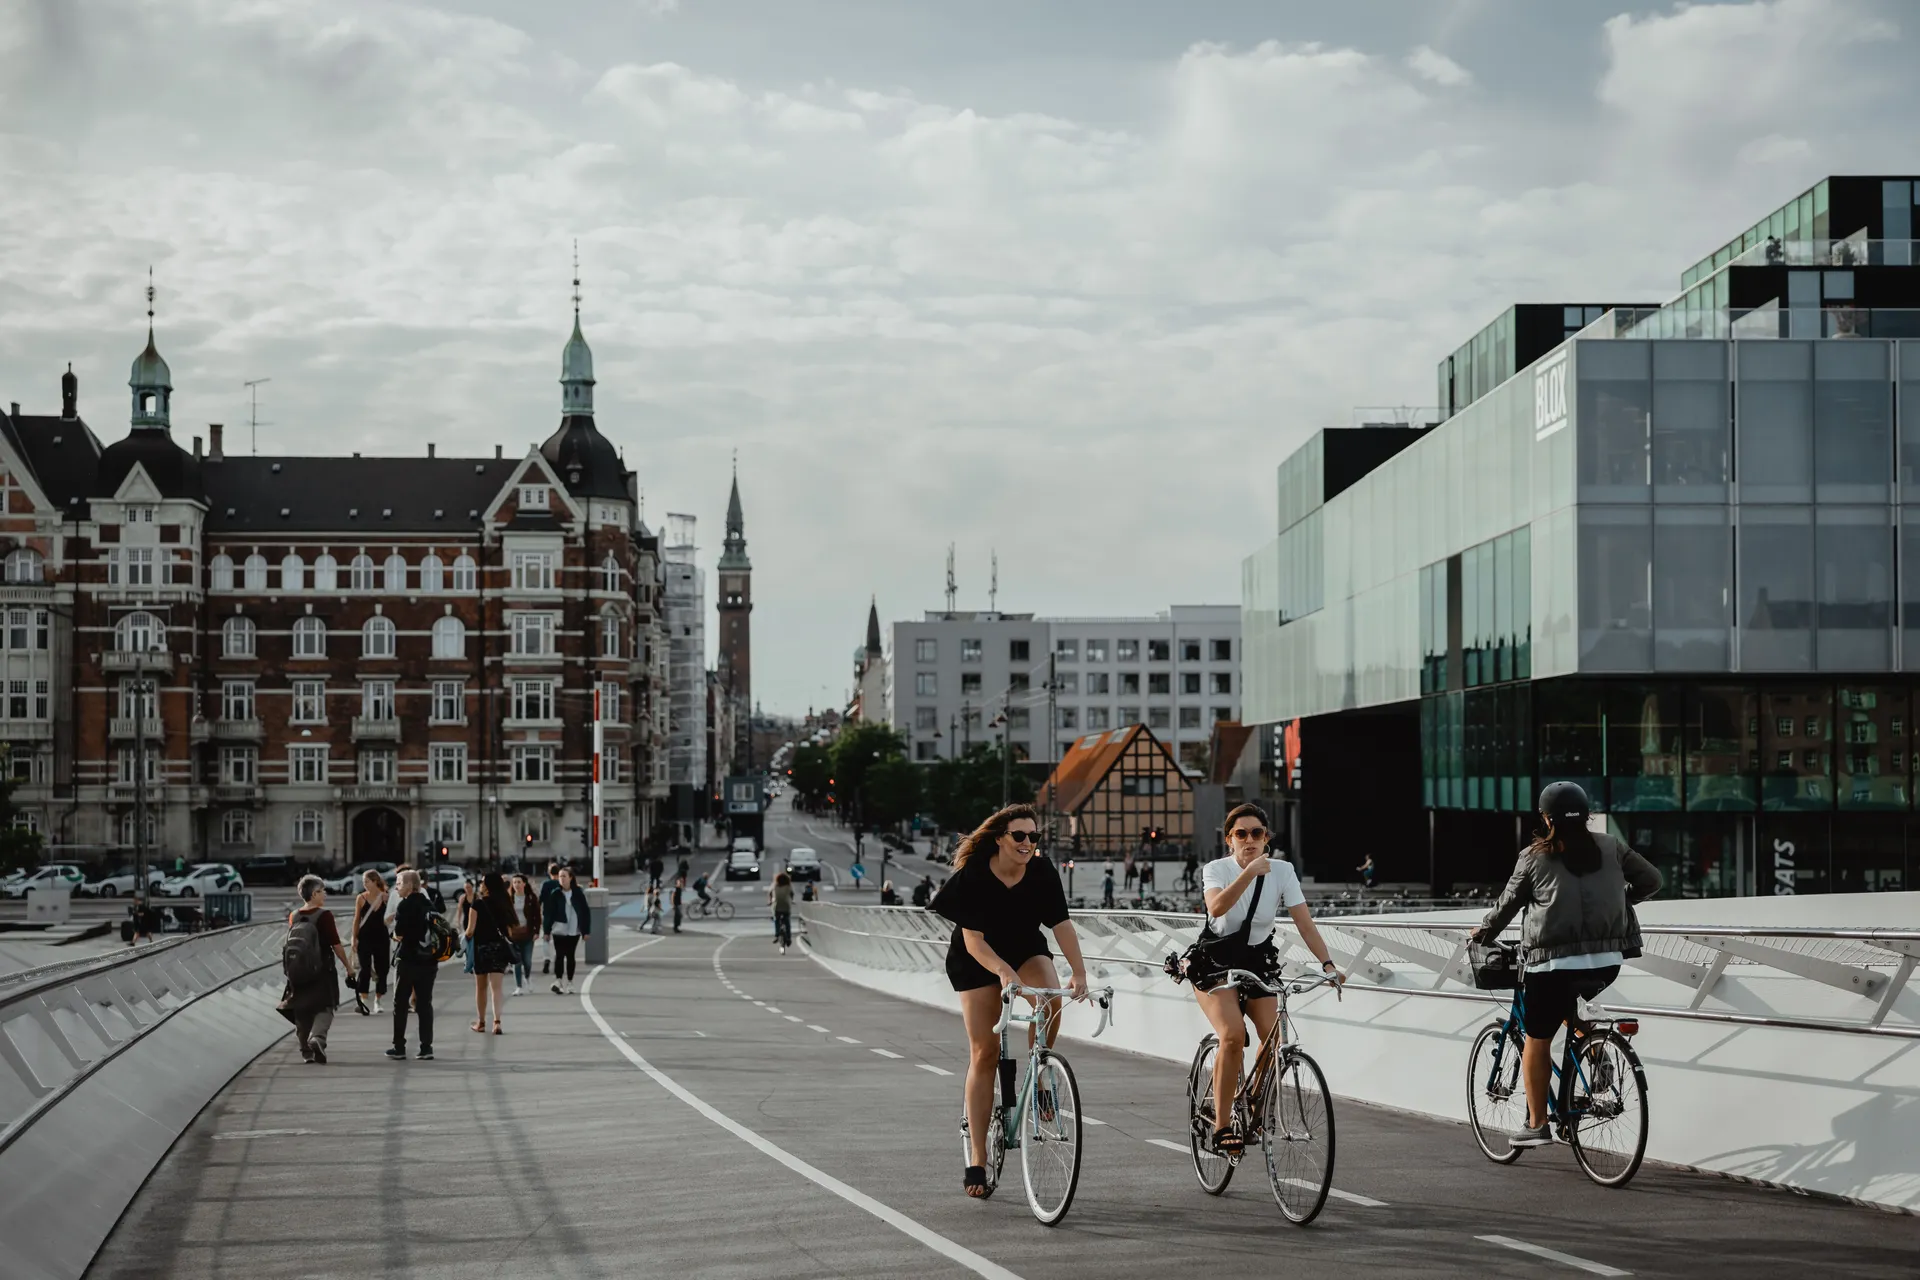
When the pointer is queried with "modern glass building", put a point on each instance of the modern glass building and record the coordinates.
(1675, 557)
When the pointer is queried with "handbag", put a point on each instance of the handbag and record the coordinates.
(493, 955)
(1203, 959)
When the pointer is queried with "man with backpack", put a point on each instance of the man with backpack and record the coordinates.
(313, 989)
(418, 949)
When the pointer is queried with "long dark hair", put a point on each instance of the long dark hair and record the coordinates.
(1568, 840)
(493, 893)
(987, 835)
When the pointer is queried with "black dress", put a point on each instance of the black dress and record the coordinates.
(491, 952)
(1010, 918)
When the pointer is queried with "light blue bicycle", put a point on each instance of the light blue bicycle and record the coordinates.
(1040, 1114)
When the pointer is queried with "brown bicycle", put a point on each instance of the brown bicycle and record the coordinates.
(1282, 1105)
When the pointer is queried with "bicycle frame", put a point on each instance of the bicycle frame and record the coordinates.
(1014, 1101)
(1274, 1048)
(1567, 1071)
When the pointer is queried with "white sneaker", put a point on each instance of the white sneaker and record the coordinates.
(519, 991)
(567, 988)
(376, 1004)
(556, 988)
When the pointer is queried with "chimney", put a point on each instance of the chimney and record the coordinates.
(69, 394)
(499, 450)
(429, 448)
(16, 410)
(196, 448)
(214, 431)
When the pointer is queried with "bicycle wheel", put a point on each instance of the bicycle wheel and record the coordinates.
(1298, 1138)
(1610, 1108)
(1214, 1170)
(1496, 1101)
(722, 910)
(1050, 1147)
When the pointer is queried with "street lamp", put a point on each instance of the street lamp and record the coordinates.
(144, 688)
(1000, 722)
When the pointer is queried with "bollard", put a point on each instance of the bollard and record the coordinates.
(597, 914)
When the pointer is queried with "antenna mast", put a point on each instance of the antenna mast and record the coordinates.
(993, 586)
(253, 411)
(953, 589)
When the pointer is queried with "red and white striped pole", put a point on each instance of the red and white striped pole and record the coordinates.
(593, 818)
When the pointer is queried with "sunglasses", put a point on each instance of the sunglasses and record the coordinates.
(1022, 837)
(1249, 833)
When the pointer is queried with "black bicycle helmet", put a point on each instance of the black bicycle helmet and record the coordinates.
(1564, 800)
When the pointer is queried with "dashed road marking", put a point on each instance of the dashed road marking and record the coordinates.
(822, 1030)
(770, 1008)
(790, 1018)
(1083, 1119)
(928, 1066)
(846, 1040)
(1554, 1255)
(885, 1053)
(1365, 1202)
(1181, 1147)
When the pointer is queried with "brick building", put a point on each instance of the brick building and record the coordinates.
(342, 658)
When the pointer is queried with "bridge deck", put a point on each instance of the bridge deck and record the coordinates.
(547, 1152)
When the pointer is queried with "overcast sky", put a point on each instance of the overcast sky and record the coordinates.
(1066, 280)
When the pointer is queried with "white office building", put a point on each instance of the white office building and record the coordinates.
(954, 676)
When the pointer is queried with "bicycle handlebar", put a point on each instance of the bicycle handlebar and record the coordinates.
(1294, 986)
(1102, 995)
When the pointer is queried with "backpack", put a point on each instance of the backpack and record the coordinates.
(441, 941)
(302, 957)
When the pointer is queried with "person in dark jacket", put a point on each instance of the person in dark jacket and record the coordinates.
(1580, 887)
(564, 920)
(415, 965)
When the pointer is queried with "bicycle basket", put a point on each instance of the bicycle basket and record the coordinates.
(1496, 966)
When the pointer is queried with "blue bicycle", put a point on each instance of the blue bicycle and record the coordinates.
(1598, 1102)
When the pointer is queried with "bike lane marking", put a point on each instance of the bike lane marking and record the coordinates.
(1554, 1255)
(900, 1222)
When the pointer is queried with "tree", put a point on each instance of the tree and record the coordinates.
(961, 793)
(857, 749)
(891, 793)
(812, 771)
(19, 847)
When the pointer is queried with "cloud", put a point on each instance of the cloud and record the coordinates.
(924, 315)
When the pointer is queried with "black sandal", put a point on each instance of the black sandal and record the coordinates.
(974, 1182)
(1228, 1142)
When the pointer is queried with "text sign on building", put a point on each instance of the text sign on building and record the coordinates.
(743, 795)
(1550, 394)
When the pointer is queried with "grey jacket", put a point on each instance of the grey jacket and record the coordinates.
(1575, 915)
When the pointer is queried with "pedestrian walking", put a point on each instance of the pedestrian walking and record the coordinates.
(371, 942)
(1146, 875)
(923, 892)
(563, 917)
(1366, 872)
(462, 912)
(651, 921)
(780, 896)
(1130, 873)
(416, 964)
(524, 929)
(313, 989)
(546, 892)
(679, 892)
(489, 917)
(1106, 888)
(1189, 876)
(654, 870)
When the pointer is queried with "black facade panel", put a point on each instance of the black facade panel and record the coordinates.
(1351, 452)
(1360, 794)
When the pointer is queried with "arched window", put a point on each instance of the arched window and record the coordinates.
(609, 635)
(139, 633)
(309, 827)
(610, 573)
(236, 638)
(325, 573)
(376, 638)
(432, 580)
(293, 573)
(256, 572)
(309, 637)
(360, 573)
(536, 825)
(396, 574)
(220, 571)
(449, 638)
(23, 565)
(465, 578)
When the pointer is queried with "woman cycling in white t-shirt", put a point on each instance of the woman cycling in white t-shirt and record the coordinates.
(1245, 884)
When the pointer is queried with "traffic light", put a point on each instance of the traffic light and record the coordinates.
(442, 853)
(528, 837)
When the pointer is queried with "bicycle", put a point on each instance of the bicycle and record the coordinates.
(1041, 1114)
(1598, 1105)
(713, 905)
(1282, 1103)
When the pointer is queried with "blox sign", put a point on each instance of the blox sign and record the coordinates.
(1550, 394)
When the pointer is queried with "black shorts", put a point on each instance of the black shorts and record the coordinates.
(1550, 996)
(1210, 965)
(968, 974)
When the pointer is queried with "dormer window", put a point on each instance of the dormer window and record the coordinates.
(533, 497)
(140, 515)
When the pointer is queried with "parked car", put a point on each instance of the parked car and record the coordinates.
(446, 880)
(201, 879)
(349, 883)
(743, 864)
(271, 868)
(52, 875)
(120, 883)
(803, 864)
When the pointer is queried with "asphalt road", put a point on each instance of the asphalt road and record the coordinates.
(709, 1107)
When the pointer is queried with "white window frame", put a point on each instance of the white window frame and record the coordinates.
(609, 635)
(466, 574)
(377, 701)
(326, 573)
(293, 572)
(926, 649)
(220, 573)
(537, 823)
(449, 826)
(433, 575)
(236, 827)
(533, 635)
(448, 761)
(535, 497)
(449, 702)
(239, 766)
(307, 765)
(534, 699)
(534, 571)
(237, 700)
(378, 637)
(449, 637)
(395, 573)
(533, 763)
(237, 637)
(24, 565)
(309, 637)
(926, 684)
(360, 573)
(309, 702)
(379, 767)
(309, 827)
(145, 625)
(256, 572)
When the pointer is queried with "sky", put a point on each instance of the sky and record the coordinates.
(1062, 282)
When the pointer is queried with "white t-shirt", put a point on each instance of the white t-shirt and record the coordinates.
(1281, 889)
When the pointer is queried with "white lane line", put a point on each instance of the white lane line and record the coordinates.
(1083, 1119)
(859, 1199)
(886, 1054)
(791, 1018)
(928, 1066)
(1181, 1147)
(1554, 1255)
(240, 1134)
(846, 1040)
(822, 1030)
(1365, 1202)
(770, 1008)
(761, 1003)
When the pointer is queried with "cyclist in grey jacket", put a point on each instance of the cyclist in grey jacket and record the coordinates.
(1580, 886)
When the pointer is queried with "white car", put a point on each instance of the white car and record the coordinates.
(201, 879)
(121, 883)
(803, 864)
(743, 864)
(53, 875)
(350, 883)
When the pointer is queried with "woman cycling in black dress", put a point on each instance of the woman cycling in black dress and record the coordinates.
(999, 897)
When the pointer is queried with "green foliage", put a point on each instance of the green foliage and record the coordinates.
(856, 750)
(960, 794)
(811, 770)
(891, 794)
(19, 847)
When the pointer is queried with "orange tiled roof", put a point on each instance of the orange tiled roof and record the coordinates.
(1087, 763)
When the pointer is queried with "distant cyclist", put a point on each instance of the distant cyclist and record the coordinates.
(998, 898)
(1579, 885)
(1244, 892)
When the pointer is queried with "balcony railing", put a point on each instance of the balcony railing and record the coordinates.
(1772, 321)
(376, 792)
(1851, 252)
(136, 660)
(374, 729)
(125, 728)
(236, 792)
(25, 730)
(238, 730)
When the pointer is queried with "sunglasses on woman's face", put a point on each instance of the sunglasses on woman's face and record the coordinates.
(1022, 837)
(1249, 833)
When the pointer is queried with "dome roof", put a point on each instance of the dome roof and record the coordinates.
(149, 370)
(172, 469)
(586, 460)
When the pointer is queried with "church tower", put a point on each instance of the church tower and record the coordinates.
(736, 632)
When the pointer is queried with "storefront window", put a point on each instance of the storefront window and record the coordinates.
(1723, 748)
(1643, 741)
(1793, 854)
(1870, 856)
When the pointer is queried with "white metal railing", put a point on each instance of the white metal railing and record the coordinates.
(1712, 968)
(61, 1023)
